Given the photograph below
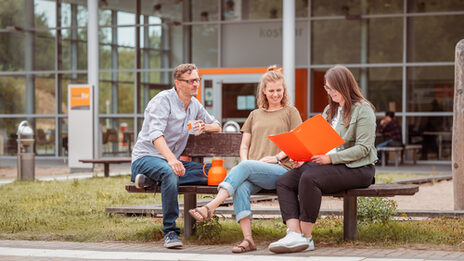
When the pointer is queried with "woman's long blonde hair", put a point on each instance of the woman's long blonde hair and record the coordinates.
(342, 80)
(273, 74)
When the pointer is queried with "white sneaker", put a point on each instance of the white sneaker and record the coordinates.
(311, 244)
(292, 242)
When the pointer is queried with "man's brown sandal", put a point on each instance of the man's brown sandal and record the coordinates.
(203, 218)
(243, 249)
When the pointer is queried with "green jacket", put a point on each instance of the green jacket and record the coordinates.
(359, 148)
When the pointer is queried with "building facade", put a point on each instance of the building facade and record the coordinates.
(400, 51)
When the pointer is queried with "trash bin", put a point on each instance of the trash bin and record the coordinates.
(231, 127)
(26, 156)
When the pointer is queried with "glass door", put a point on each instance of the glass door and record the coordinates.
(230, 97)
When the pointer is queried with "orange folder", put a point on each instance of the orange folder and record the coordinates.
(315, 136)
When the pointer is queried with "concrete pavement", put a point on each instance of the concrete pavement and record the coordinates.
(56, 250)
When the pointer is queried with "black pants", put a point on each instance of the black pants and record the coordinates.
(300, 190)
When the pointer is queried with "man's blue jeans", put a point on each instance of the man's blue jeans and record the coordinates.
(248, 178)
(381, 145)
(158, 170)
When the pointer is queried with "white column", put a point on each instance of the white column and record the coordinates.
(288, 45)
(92, 67)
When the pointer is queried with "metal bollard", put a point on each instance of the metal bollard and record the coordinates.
(26, 156)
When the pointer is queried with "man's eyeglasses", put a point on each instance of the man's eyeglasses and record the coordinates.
(328, 89)
(190, 81)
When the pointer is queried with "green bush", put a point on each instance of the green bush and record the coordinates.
(376, 210)
(209, 230)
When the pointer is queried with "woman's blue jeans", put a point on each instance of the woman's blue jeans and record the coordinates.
(248, 178)
(158, 170)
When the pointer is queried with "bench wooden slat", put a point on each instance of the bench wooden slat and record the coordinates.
(375, 190)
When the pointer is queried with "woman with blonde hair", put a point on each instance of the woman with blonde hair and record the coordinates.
(348, 166)
(262, 162)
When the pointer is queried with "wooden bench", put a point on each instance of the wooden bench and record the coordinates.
(414, 148)
(228, 144)
(106, 162)
(385, 150)
(399, 153)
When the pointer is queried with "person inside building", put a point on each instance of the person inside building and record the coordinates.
(347, 166)
(390, 130)
(262, 162)
(164, 134)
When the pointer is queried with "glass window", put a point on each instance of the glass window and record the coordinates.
(11, 51)
(335, 7)
(104, 17)
(126, 8)
(319, 98)
(44, 50)
(336, 41)
(45, 13)
(45, 94)
(125, 18)
(45, 136)
(177, 44)
(421, 6)
(384, 6)
(120, 88)
(153, 83)
(301, 8)
(251, 10)
(434, 133)
(105, 35)
(82, 14)
(74, 49)
(13, 98)
(8, 128)
(428, 33)
(205, 10)
(12, 13)
(126, 36)
(126, 58)
(384, 88)
(68, 11)
(151, 37)
(117, 136)
(205, 45)
(430, 89)
(104, 54)
(165, 10)
(385, 40)
(63, 138)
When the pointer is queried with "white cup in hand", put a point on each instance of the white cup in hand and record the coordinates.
(194, 127)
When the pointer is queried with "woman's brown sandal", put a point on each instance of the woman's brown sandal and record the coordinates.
(243, 249)
(203, 218)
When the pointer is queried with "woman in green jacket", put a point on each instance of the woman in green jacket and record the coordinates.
(348, 166)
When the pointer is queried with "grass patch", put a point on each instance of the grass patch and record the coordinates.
(75, 211)
(388, 178)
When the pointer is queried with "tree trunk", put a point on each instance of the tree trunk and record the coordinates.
(458, 129)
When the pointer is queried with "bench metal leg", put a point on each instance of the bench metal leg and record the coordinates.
(350, 230)
(106, 167)
(397, 158)
(384, 158)
(414, 151)
(190, 201)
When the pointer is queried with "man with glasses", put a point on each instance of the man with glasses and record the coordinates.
(164, 134)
